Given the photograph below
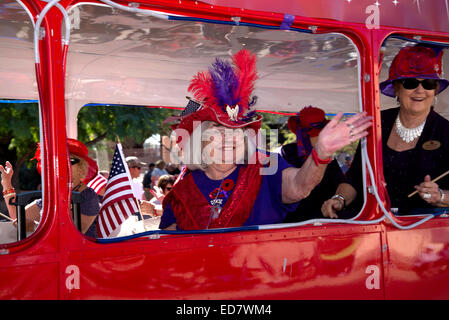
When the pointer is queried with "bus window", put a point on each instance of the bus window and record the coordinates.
(415, 130)
(19, 127)
(148, 62)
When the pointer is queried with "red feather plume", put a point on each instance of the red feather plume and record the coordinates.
(202, 88)
(247, 75)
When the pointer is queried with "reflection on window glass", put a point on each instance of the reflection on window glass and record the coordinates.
(285, 71)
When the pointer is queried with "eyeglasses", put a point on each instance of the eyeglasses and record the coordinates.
(413, 83)
(74, 161)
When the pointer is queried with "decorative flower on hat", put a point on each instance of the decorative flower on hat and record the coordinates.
(223, 94)
(419, 61)
(415, 61)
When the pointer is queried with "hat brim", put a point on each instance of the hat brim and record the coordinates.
(208, 114)
(387, 87)
(92, 170)
(293, 124)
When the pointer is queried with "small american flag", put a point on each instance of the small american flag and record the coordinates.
(118, 201)
(191, 107)
(97, 183)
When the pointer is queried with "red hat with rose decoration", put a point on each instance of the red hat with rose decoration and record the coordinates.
(419, 61)
(76, 148)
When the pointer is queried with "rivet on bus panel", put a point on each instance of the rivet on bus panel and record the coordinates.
(313, 28)
(367, 77)
(41, 33)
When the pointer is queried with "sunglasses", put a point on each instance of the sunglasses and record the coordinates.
(137, 167)
(168, 188)
(412, 83)
(74, 161)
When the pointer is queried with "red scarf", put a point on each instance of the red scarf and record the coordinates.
(192, 210)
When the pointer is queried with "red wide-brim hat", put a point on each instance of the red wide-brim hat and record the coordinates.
(78, 149)
(415, 62)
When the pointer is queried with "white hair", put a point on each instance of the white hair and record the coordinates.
(198, 157)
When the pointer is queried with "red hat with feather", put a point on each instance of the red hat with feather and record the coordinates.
(223, 94)
(78, 149)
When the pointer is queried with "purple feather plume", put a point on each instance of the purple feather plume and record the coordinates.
(225, 82)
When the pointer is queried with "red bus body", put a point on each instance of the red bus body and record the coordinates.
(327, 261)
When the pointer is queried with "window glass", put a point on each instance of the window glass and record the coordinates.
(118, 59)
(415, 142)
(19, 127)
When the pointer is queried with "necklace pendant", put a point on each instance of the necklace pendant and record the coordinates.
(215, 211)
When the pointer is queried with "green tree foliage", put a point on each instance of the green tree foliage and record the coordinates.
(19, 134)
(19, 130)
(131, 124)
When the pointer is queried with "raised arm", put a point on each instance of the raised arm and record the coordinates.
(8, 190)
(298, 183)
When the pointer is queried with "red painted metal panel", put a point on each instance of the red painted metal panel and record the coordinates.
(255, 265)
(337, 262)
(35, 281)
(419, 262)
(426, 15)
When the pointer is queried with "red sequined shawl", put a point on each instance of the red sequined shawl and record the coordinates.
(192, 210)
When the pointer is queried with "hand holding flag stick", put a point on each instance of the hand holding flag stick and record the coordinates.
(434, 180)
(6, 217)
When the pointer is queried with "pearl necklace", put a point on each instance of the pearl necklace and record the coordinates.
(407, 134)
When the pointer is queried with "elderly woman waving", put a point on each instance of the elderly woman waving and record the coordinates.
(232, 184)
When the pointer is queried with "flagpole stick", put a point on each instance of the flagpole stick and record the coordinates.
(434, 180)
(140, 210)
(6, 217)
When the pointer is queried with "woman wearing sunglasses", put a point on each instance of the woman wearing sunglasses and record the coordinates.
(415, 138)
(83, 170)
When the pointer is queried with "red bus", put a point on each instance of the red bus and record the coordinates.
(330, 53)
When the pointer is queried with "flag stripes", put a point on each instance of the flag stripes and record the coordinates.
(97, 183)
(118, 201)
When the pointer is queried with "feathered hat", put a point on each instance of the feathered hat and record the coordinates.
(76, 148)
(223, 94)
(418, 61)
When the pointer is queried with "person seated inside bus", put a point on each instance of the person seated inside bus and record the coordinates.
(158, 171)
(218, 188)
(153, 207)
(83, 169)
(306, 125)
(147, 184)
(415, 139)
